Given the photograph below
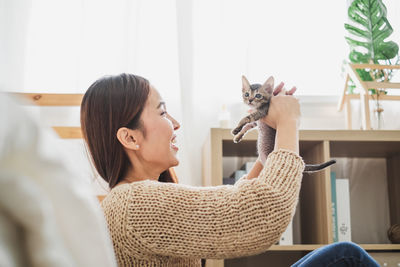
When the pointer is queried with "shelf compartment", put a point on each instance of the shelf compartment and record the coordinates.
(393, 178)
(245, 148)
(364, 149)
(388, 148)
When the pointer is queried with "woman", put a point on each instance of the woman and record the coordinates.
(131, 139)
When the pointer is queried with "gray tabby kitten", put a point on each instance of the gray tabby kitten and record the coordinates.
(258, 96)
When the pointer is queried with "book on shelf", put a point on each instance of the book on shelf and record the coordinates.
(236, 175)
(228, 180)
(334, 207)
(287, 236)
(343, 210)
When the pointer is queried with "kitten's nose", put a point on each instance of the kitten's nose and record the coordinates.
(251, 100)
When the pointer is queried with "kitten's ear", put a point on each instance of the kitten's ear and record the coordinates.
(245, 84)
(268, 86)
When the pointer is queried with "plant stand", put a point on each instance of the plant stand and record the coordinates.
(364, 95)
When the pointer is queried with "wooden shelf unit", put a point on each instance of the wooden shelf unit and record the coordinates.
(315, 197)
(55, 100)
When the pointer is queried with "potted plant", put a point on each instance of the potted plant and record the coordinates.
(367, 31)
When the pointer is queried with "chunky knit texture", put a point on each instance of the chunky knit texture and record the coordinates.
(164, 224)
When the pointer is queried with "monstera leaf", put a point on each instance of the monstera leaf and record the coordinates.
(369, 30)
(367, 33)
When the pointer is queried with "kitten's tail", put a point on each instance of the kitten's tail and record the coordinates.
(317, 167)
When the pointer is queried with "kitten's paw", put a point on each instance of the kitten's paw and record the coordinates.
(237, 139)
(236, 130)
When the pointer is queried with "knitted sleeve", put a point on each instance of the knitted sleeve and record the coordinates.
(215, 222)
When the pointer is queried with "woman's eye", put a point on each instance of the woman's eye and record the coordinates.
(246, 94)
(163, 113)
(258, 95)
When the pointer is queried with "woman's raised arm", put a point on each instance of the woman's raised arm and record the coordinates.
(227, 221)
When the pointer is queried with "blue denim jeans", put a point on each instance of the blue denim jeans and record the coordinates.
(341, 254)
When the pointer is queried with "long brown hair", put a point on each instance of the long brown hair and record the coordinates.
(110, 103)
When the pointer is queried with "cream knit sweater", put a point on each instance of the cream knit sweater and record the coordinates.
(165, 224)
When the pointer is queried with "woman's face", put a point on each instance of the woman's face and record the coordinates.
(158, 146)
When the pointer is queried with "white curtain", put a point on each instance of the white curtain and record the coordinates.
(64, 46)
(193, 52)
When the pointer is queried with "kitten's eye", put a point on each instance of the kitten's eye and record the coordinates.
(246, 94)
(258, 95)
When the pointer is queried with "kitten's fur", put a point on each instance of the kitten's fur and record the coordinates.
(258, 97)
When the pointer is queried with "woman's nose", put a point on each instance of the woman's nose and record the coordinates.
(175, 123)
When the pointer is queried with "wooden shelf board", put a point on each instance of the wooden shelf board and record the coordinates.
(331, 135)
(382, 97)
(386, 85)
(41, 99)
(68, 132)
(350, 135)
(375, 66)
(294, 247)
(316, 246)
(381, 246)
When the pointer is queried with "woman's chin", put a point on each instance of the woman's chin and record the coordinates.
(175, 162)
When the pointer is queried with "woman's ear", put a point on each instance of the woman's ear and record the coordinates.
(128, 138)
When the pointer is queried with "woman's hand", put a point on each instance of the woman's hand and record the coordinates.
(280, 90)
(283, 109)
(284, 116)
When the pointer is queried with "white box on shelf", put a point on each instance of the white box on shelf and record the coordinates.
(343, 209)
(287, 236)
(334, 208)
